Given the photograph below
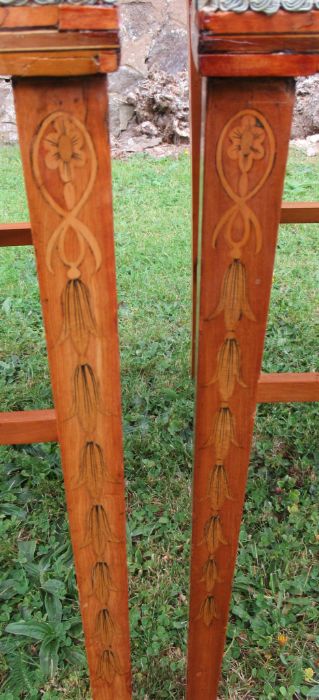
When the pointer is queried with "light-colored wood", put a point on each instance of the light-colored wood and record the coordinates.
(28, 16)
(63, 63)
(64, 17)
(26, 427)
(51, 40)
(66, 160)
(246, 142)
(89, 17)
(258, 65)
(258, 23)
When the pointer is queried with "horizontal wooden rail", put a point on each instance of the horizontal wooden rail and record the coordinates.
(300, 213)
(15, 234)
(285, 387)
(23, 427)
(291, 213)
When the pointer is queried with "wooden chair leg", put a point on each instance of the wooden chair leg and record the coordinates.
(66, 159)
(246, 140)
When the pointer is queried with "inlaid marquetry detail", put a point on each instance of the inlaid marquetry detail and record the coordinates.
(245, 156)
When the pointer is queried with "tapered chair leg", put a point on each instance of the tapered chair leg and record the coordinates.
(246, 141)
(66, 159)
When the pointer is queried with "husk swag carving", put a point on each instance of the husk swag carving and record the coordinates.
(246, 142)
(63, 147)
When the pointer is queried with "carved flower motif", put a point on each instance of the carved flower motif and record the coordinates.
(64, 146)
(247, 143)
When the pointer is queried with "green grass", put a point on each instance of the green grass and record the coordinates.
(277, 575)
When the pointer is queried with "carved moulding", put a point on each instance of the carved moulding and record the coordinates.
(269, 7)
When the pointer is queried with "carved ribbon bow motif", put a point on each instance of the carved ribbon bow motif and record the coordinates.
(64, 146)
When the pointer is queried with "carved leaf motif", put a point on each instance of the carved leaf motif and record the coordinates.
(108, 666)
(223, 433)
(101, 581)
(210, 574)
(213, 534)
(233, 301)
(86, 396)
(218, 489)
(79, 321)
(228, 367)
(208, 610)
(99, 531)
(93, 470)
(105, 627)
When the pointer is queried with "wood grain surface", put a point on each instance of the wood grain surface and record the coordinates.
(246, 141)
(66, 160)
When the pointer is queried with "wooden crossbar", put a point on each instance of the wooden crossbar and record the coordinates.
(300, 213)
(15, 234)
(285, 387)
(24, 427)
(291, 213)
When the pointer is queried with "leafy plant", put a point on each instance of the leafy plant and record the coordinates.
(272, 638)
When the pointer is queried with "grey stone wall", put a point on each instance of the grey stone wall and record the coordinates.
(154, 40)
(154, 37)
(8, 132)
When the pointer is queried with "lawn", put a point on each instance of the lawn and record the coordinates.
(276, 585)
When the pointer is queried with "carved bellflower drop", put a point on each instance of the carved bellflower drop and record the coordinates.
(213, 534)
(218, 489)
(208, 610)
(78, 317)
(108, 666)
(228, 370)
(233, 300)
(210, 574)
(223, 432)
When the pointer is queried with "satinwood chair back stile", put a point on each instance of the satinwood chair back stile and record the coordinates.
(242, 95)
(59, 61)
(244, 57)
